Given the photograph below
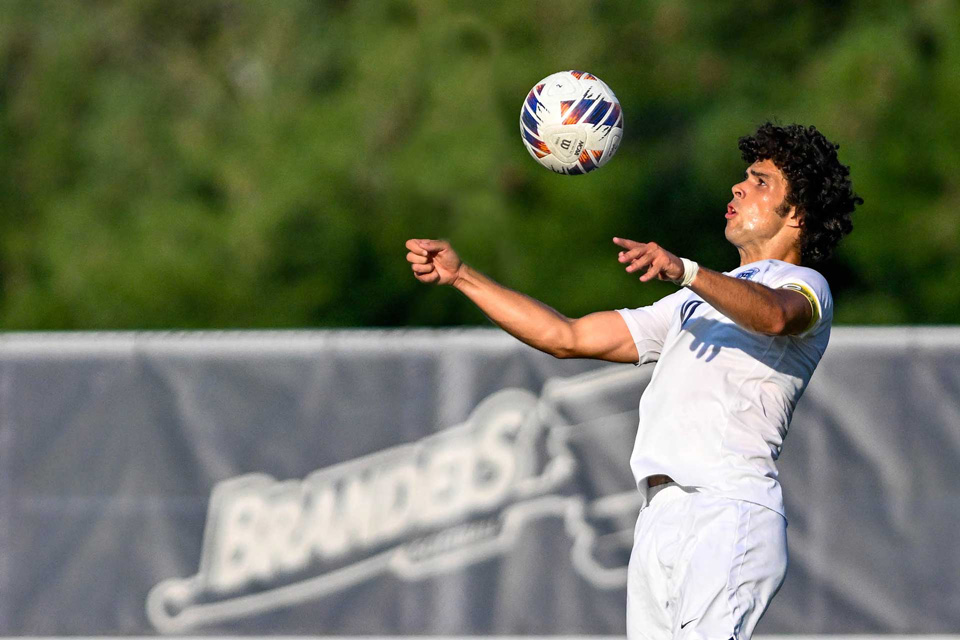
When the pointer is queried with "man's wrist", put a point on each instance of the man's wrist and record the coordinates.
(462, 277)
(690, 270)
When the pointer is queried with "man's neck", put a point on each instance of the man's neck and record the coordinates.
(755, 254)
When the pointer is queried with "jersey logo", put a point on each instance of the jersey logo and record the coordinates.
(748, 274)
(687, 310)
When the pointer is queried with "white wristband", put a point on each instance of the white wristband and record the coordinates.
(690, 269)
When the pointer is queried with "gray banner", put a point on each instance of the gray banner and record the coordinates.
(431, 482)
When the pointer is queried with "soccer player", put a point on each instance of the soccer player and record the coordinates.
(734, 352)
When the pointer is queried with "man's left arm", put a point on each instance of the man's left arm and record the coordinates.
(751, 305)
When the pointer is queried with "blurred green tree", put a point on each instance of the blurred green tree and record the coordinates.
(230, 163)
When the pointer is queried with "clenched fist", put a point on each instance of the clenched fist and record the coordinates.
(433, 261)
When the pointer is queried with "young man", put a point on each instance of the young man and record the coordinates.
(734, 352)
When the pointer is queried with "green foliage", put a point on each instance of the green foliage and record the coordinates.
(250, 163)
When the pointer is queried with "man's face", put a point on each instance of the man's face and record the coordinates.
(757, 211)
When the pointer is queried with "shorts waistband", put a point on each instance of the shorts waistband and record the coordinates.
(657, 487)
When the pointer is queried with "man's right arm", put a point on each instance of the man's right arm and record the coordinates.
(603, 335)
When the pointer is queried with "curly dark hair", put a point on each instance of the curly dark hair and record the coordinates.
(818, 184)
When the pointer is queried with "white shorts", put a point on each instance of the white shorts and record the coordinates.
(702, 566)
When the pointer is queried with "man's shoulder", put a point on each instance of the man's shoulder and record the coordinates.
(677, 298)
(811, 284)
(776, 273)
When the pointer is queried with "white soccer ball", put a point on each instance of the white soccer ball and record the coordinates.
(571, 122)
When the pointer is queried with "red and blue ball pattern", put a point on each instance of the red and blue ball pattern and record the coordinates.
(582, 101)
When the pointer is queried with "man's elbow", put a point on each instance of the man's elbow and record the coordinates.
(776, 327)
(562, 342)
(781, 323)
(564, 353)
(565, 350)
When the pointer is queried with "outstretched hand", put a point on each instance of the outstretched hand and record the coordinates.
(433, 261)
(651, 259)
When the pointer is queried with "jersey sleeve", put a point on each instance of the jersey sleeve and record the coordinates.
(650, 325)
(812, 286)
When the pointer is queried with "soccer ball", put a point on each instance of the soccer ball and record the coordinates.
(571, 122)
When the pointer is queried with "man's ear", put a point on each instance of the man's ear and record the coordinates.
(795, 217)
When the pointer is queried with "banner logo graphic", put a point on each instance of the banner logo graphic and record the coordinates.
(433, 506)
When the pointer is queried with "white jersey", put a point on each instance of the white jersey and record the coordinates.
(721, 397)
